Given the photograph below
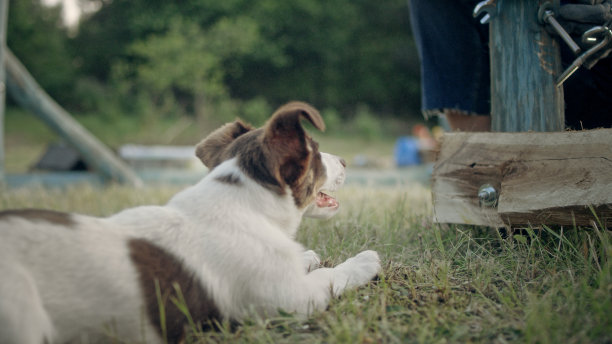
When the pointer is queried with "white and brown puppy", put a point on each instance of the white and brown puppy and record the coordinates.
(228, 242)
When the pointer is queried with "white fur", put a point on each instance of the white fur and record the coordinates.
(335, 178)
(79, 284)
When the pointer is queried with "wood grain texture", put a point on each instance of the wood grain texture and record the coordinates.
(542, 178)
(525, 62)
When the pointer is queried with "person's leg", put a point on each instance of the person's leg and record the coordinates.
(453, 49)
(459, 121)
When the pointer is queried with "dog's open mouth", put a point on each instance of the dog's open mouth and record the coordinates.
(326, 201)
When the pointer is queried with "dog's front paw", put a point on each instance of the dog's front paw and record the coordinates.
(311, 260)
(358, 270)
(367, 263)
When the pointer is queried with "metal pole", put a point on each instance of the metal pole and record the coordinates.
(27, 93)
(3, 24)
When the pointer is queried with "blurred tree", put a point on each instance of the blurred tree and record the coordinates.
(37, 37)
(335, 54)
(105, 36)
(185, 62)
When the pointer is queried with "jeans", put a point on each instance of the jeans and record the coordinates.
(454, 53)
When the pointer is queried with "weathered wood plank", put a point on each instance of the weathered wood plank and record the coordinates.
(525, 62)
(541, 178)
(25, 91)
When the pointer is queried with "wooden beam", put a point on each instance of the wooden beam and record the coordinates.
(541, 178)
(525, 62)
(3, 25)
(25, 91)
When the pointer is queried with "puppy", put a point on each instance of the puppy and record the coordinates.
(224, 247)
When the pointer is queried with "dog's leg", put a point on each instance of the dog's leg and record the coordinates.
(23, 320)
(318, 286)
(356, 271)
(311, 260)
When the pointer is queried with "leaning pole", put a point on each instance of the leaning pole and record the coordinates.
(28, 94)
(3, 23)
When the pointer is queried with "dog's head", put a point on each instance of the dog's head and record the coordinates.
(281, 156)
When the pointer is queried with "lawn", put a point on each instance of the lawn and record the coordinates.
(440, 284)
(26, 137)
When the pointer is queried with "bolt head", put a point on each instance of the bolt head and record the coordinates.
(487, 196)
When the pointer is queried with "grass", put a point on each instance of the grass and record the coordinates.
(440, 284)
(26, 137)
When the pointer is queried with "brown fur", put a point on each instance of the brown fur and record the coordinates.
(305, 188)
(51, 216)
(156, 265)
(295, 154)
(208, 149)
(229, 179)
(278, 155)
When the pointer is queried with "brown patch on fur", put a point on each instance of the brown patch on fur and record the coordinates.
(253, 160)
(278, 155)
(210, 150)
(293, 153)
(289, 111)
(155, 264)
(51, 216)
(305, 189)
(230, 179)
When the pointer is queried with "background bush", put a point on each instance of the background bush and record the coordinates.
(193, 58)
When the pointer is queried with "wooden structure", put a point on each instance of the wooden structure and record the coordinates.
(527, 178)
(525, 62)
(551, 178)
(27, 93)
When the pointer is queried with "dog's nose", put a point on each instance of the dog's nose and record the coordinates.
(342, 162)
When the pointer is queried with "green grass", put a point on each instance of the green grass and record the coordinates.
(26, 137)
(440, 284)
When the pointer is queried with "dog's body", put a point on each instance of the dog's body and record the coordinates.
(227, 242)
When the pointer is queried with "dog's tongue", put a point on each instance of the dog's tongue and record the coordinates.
(325, 200)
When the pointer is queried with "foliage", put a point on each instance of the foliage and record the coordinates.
(366, 123)
(439, 283)
(35, 36)
(166, 58)
(186, 62)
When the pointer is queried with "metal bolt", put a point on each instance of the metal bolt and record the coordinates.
(487, 7)
(549, 18)
(487, 196)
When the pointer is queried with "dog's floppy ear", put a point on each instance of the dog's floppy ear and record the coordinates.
(211, 149)
(288, 142)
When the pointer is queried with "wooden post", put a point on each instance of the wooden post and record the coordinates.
(29, 95)
(539, 178)
(525, 62)
(546, 176)
(3, 24)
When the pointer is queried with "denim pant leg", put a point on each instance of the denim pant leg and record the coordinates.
(454, 53)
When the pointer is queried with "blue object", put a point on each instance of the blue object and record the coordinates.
(406, 151)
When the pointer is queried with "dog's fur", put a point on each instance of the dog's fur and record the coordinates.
(226, 242)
